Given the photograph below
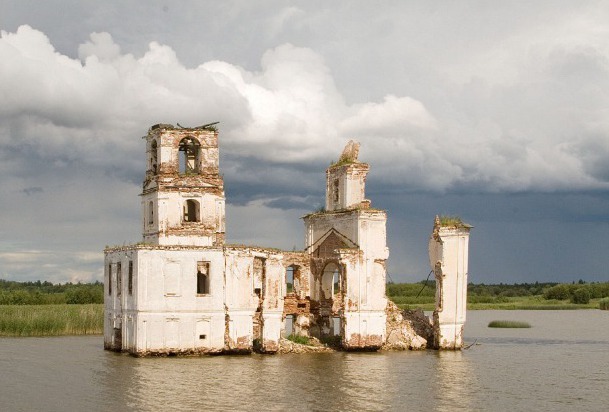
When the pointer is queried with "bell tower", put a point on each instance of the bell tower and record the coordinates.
(348, 249)
(183, 192)
(346, 181)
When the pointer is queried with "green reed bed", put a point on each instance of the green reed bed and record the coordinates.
(51, 320)
(508, 324)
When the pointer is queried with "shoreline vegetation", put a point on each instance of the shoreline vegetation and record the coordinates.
(524, 296)
(46, 309)
(51, 320)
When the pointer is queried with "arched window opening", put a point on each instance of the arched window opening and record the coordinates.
(289, 279)
(153, 157)
(202, 278)
(331, 283)
(335, 192)
(189, 155)
(336, 282)
(191, 211)
(150, 213)
(292, 279)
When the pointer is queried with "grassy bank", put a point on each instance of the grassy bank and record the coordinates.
(525, 296)
(502, 303)
(51, 320)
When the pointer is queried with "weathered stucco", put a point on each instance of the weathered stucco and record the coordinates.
(184, 291)
(448, 257)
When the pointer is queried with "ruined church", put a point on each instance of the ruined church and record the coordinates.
(183, 290)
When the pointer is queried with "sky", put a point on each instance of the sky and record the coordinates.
(497, 112)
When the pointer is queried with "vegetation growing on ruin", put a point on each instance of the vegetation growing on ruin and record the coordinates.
(303, 340)
(508, 324)
(451, 221)
(342, 162)
(51, 320)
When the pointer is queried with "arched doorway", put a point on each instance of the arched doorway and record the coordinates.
(331, 281)
(331, 287)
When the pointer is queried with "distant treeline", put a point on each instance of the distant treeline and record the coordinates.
(424, 291)
(47, 293)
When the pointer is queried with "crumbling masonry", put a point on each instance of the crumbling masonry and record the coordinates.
(184, 291)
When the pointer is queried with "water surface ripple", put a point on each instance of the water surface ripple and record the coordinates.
(560, 364)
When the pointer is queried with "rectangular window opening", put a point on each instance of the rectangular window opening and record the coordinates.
(110, 279)
(130, 282)
(202, 278)
(118, 279)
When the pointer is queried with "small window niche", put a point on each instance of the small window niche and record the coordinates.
(202, 278)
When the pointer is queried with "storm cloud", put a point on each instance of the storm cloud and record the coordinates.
(498, 115)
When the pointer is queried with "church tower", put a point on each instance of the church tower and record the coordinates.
(346, 181)
(183, 194)
(348, 249)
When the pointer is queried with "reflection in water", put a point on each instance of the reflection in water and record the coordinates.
(561, 363)
(455, 382)
(337, 382)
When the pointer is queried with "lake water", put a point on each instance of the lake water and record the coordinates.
(560, 364)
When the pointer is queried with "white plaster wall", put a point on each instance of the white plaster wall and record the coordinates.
(372, 234)
(166, 153)
(351, 186)
(168, 279)
(272, 324)
(240, 329)
(316, 226)
(168, 213)
(365, 228)
(239, 281)
(164, 309)
(365, 324)
(181, 331)
(354, 187)
(275, 284)
(365, 284)
(452, 252)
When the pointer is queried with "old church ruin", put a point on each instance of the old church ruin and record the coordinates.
(182, 290)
